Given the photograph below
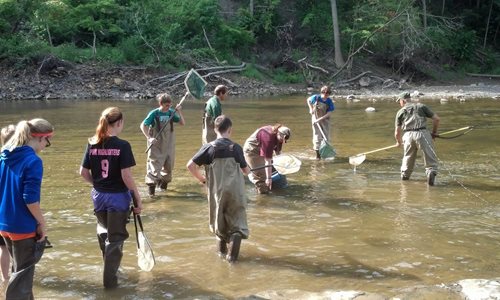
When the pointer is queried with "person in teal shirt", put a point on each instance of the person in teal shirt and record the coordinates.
(213, 109)
(161, 155)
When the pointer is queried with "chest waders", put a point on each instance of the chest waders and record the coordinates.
(320, 110)
(227, 205)
(251, 151)
(208, 129)
(161, 156)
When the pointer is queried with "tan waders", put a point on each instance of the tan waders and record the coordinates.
(227, 205)
(111, 234)
(208, 131)
(319, 111)
(257, 177)
(161, 158)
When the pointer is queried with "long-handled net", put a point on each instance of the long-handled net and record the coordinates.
(284, 164)
(195, 86)
(325, 149)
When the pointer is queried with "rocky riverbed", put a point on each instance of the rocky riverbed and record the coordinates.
(467, 289)
(62, 80)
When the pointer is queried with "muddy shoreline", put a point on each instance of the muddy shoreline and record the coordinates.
(74, 81)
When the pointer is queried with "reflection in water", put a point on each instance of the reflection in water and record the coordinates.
(331, 229)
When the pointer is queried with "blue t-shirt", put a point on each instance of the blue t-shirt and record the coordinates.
(328, 101)
(21, 172)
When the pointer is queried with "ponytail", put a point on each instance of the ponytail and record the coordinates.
(109, 116)
(276, 127)
(6, 133)
(27, 130)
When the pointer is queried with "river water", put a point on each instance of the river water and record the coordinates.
(333, 228)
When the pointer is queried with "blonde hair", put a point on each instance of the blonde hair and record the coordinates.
(276, 127)
(7, 133)
(27, 130)
(108, 118)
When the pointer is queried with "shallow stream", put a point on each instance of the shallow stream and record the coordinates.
(333, 228)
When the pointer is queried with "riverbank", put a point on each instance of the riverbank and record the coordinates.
(62, 80)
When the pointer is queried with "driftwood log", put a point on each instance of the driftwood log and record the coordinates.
(210, 73)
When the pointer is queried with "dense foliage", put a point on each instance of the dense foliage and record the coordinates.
(455, 35)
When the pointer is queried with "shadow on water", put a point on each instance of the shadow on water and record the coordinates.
(352, 268)
(140, 285)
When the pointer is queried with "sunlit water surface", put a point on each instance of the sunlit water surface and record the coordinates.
(333, 228)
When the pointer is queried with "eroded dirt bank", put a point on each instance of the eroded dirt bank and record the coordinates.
(78, 81)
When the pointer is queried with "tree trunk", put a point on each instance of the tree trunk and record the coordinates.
(424, 10)
(251, 7)
(496, 34)
(94, 42)
(487, 25)
(442, 8)
(49, 35)
(339, 60)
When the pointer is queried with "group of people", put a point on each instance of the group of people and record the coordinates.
(108, 160)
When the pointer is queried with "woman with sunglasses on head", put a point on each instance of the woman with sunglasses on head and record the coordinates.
(107, 164)
(258, 150)
(22, 224)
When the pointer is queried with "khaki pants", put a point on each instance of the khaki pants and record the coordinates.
(412, 141)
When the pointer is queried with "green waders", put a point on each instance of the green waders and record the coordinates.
(161, 157)
(227, 205)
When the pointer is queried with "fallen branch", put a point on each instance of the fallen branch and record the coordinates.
(482, 75)
(356, 77)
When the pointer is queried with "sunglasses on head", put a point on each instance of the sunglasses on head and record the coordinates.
(285, 136)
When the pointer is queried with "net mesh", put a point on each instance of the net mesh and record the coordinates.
(195, 84)
(326, 150)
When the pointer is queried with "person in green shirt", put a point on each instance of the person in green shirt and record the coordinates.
(411, 133)
(161, 156)
(213, 109)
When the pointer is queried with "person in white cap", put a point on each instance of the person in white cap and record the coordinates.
(411, 132)
(258, 150)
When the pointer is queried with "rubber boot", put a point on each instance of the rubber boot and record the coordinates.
(163, 185)
(112, 259)
(151, 189)
(234, 247)
(431, 177)
(221, 247)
